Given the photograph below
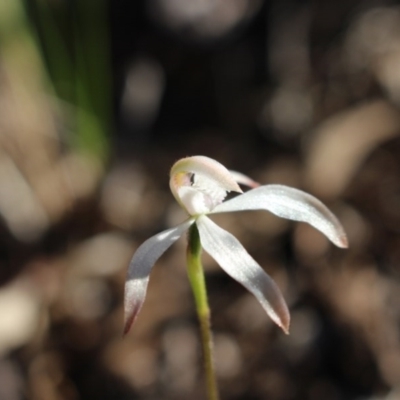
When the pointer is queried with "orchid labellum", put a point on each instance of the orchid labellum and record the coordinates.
(200, 186)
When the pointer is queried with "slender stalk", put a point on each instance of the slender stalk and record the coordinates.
(197, 281)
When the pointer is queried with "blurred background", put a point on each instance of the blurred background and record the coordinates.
(98, 99)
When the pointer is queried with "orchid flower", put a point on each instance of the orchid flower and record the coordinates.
(200, 185)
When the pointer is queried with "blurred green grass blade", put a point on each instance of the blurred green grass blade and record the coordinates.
(75, 43)
(55, 50)
(92, 77)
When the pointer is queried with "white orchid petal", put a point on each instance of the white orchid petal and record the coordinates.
(207, 167)
(244, 179)
(236, 262)
(140, 266)
(215, 175)
(290, 203)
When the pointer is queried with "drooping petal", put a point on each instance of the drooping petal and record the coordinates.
(211, 179)
(140, 266)
(236, 262)
(290, 203)
(244, 179)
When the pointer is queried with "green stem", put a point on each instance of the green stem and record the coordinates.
(197, 281)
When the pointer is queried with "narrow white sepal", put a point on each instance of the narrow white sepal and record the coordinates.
(140, 266)
(236, 262)
(290, 203)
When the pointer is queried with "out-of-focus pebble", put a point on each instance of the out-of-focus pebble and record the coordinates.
(143, 89)
(19, 315)
(127, 199)
(373, 43)
(290, 110)
(72, 178)
(87, 299)
(180, 350)
(11, 382)
(101, 255)
(19, 206)
(247, 314)
(202, 19)
(342, 143)
(228, 357)
(304, 329)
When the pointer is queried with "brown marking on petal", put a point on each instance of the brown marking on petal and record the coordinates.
(285, 325)
(281, 317)
(343, 242)
(130, 319)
